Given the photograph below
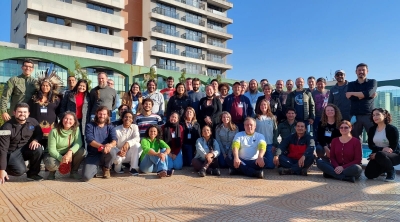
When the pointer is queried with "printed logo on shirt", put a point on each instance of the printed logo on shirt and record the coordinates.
(299, 99)
(31, 127)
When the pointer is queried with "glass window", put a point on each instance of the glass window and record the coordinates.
(51, 19)
(60, 21)
(58, 44)
(42, 41)
(50, 43)
(104, 30)
(90, 27)
(66, 45)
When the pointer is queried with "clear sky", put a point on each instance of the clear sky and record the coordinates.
(285, 39)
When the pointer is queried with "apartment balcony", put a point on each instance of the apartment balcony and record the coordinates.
(110, 3)
(193, 71)
(218, 16)
(166, 31)
(194, 3)
(193, 37)
(221, 3)
(167, 67)
(215, 59)
(194, 55)
(165, 49)
(165, 12)
(216, 43)
(218, 31)
(194, 20)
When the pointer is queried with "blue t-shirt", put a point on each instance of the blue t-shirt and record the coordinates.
(299, 106)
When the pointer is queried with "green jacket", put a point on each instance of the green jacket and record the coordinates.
(18, 89)
(309, 105)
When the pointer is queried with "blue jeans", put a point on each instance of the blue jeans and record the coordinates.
(187, 154)
(268, 158)
(246, 167)
(153, 164)
(222, 161)
(176, 164)
(315, 128)
(354, 170)
(292, 164)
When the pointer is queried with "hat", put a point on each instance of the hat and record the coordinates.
(339, 71)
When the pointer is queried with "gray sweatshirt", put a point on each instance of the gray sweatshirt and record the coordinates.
(337, 96)
(224, 137)
(102, 97)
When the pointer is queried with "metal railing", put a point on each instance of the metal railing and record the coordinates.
(215, 43)
(166, 31)
(194, 3)
(215, 59)
(193, 37)
(194, 55)
(166, 12)
(217, 28)
(216, 12)
(167, 67)
(163, 48)
(195, 21)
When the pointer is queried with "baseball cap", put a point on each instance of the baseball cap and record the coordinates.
(339, 71)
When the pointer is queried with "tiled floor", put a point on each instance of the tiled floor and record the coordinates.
(186, 197)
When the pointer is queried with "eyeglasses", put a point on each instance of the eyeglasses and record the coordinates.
(344, 127)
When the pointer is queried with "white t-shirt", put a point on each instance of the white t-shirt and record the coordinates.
(249, 145)
(380, 138)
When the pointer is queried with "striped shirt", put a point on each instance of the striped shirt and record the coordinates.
(144, 122)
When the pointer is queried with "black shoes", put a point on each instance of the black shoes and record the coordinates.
(349, 179)
(202, 172)
(34, 178)
(260, 174)
(134, 172)
(391, 176)
(284, 171)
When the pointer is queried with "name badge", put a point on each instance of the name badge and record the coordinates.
(43, 109)
(240, 105)
(189, 136)
(276, 106)
(173, 134)
(328, 133)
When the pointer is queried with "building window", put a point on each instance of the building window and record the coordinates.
(213, 72)
(54, 43)
(66, 1)
(167, 64)
(55, 20)
(193, 68)
(91, 28)
(100, 8)
(104, 30)
(193, 52)
(100, 51)
(215, 25)
(16, 28)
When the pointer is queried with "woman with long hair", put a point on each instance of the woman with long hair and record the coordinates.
(224, 134)
(383, 140)
(77, 101)
(274, 102)
(65, 146)
(266, 124)
(133, 99)
(154, 157)
(210, 109)
(345, 156)
(223, 88)
(191, 133)
(173, 136)
(207, 151)
(328, 129)
(179, 101)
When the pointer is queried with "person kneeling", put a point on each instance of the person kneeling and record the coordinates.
(128, 144)
(345, 156)
(154, 157)
(248, 151)
(65, 146)
(207, 151)
(295, 154)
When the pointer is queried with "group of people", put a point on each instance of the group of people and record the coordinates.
(162, 131)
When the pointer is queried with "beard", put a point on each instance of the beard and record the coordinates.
(21, 118)
(102, 86)
(252, 91)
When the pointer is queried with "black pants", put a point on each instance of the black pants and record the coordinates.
(16, 161)
(382, 163)
(198, 164)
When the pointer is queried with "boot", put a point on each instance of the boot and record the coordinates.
(52, 175)
(106, 173)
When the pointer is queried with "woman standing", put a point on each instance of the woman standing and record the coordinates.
(224, 134)
(207, 151)
(267, 126)
(191, 134)
(65, 146)
(275, 103)
(223, 88)
(133, 99)
(383, 140)
(77, 101)
(210, 109)
(328, 129)
(345, 156)
(179, 102)
(173, 136)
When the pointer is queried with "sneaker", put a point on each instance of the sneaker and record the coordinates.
(202, 172)
(216, 172)
(106, 173)
(284, 171)
(170, 172)
(162, 174)
(260, 174)
(52, 175)
(75, 175)
(383, 175)
(391, 176)
(327, 175)
(349, 179)
(134, 172)
(304, 171)
(34, 178)
(233, 172)
(118, 168)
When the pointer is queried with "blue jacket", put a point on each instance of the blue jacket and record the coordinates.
(247, 108)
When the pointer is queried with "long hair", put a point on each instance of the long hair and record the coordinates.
(101, 108)
(259, 113)
(194, 120)
(74, 127)
(75, 89)
(184, 90)
(139, 94)
(159, 133)
(386, 120)
(210, 142)
(231, 125)
(338, 116)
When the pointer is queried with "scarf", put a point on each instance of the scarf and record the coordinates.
(167, 133)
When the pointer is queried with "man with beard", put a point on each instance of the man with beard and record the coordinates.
(158, 99)
(102, 95)
(71, 82)
(195, 95)
(320, 96)
(289, 86)
(337, 95)
(253, 94)
(262, 83)
(121, 109)
(19, 138)
(311, 84)
(361, 93)
(101, 140)
(281, 95)
(147, 118)
(188, 84)
(169, 91)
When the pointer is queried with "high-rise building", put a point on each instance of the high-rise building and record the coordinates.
(188, 35)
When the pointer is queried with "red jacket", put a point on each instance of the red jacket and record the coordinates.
(295, 147)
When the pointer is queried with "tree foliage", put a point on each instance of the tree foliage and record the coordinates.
(183, 76)
(80, 73)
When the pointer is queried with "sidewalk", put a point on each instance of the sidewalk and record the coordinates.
(187, 197)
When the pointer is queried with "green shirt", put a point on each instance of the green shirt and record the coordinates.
(17, 89)
(155, 145)
(60, 143)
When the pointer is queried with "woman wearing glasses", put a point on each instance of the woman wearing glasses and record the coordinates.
(345, 156)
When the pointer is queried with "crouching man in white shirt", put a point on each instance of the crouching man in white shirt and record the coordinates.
(128, 144)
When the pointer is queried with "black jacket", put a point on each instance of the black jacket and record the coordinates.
(178, 105)
(195, 133)
(215, 117)
(276, 107)
(21, 135)
(392, 134)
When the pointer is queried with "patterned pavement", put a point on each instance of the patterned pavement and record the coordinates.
(187, 197)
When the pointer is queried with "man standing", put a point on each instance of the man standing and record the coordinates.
(295, 154)
(301, 100)
(289, 86)
(263, 82)
(361, 93)
(320, 96)
(18, 89)
(244, 86)
(311, 84)
(71, 82)
(195, 95)
(188, 84)
(248, 152)
(111, 84)
(337, 95)
(238, 106)
(158, 99)
(252, 94)
(147, 118)
(102, 95)
(287, 127)
(280, 94)
(101, 141)
(19, 142)
(169, 91)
